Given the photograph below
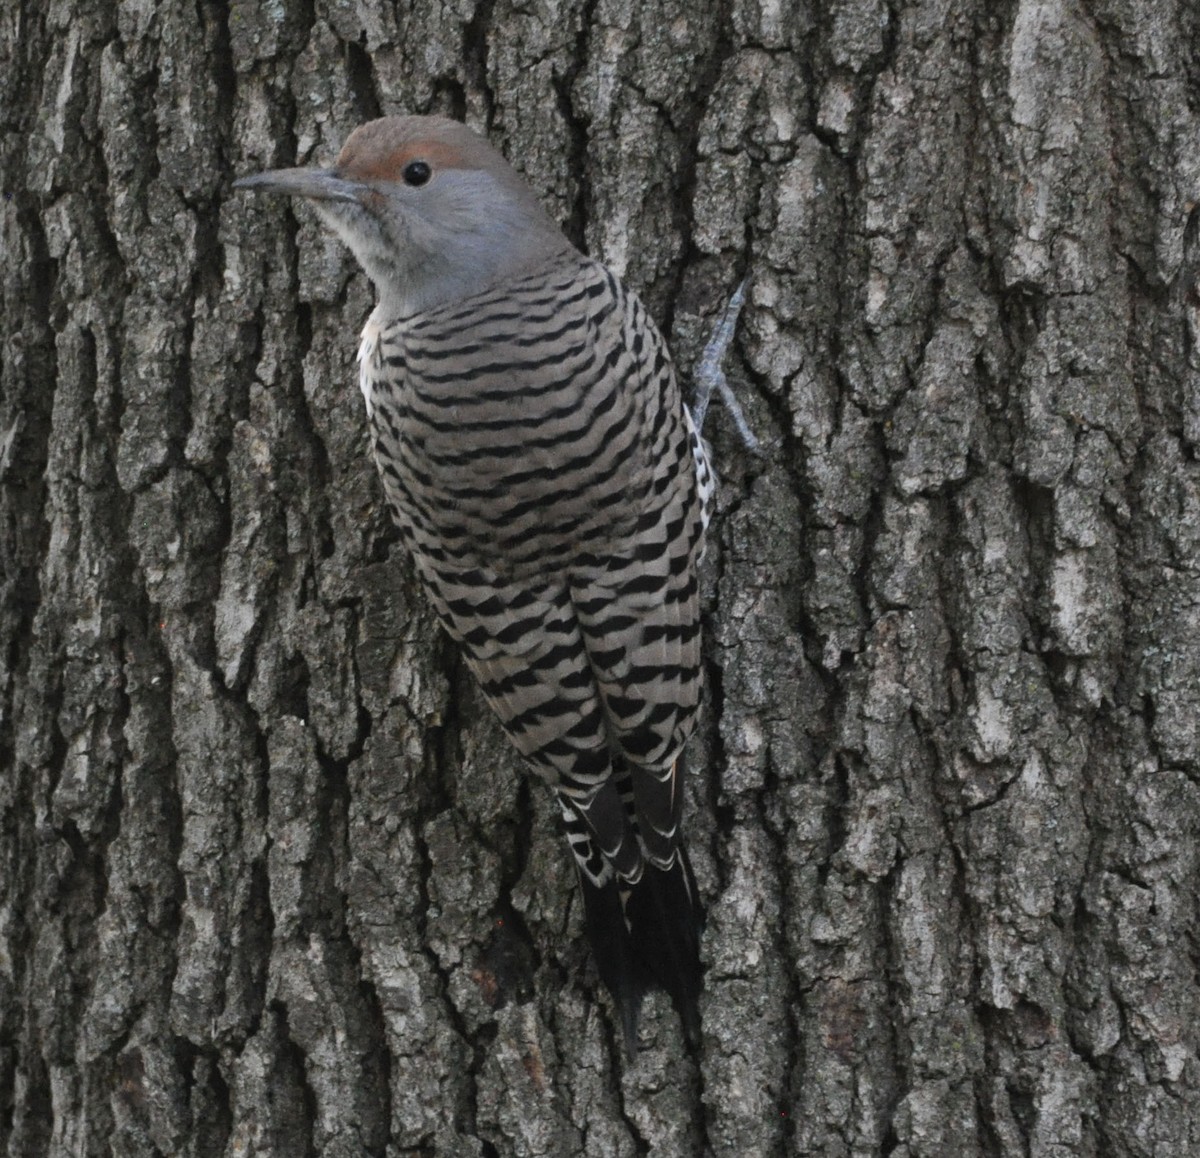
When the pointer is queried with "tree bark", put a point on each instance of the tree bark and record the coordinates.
(272, 882)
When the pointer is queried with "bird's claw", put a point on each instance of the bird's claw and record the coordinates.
(710, 375)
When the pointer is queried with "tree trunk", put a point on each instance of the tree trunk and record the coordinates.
(272, 882)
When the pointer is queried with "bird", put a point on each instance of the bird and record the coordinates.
(553, 490)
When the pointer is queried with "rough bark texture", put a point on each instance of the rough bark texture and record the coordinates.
(271, 881)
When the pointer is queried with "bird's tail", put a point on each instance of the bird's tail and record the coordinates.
(645, 934)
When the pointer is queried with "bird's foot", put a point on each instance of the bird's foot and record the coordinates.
(710, 375)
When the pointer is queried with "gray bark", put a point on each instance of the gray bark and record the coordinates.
(271, 881)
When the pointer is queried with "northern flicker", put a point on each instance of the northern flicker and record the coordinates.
(549, 482)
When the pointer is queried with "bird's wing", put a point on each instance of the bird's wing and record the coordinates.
(550, 476)
(638, 602)
(523, 644)
(536, 438)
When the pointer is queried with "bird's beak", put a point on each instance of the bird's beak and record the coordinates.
(316, 184)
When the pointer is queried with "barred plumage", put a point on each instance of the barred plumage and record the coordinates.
(547, 478)
(538, 486)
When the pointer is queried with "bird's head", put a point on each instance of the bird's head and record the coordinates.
(431, 211)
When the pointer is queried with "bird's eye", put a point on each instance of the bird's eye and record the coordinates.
(417, 173)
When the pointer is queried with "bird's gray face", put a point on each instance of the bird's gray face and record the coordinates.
(430, 219)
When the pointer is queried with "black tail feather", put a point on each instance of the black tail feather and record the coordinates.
(660, 945)
(620, 968)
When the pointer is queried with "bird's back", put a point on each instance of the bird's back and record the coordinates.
(527, 426)
(544, 472)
